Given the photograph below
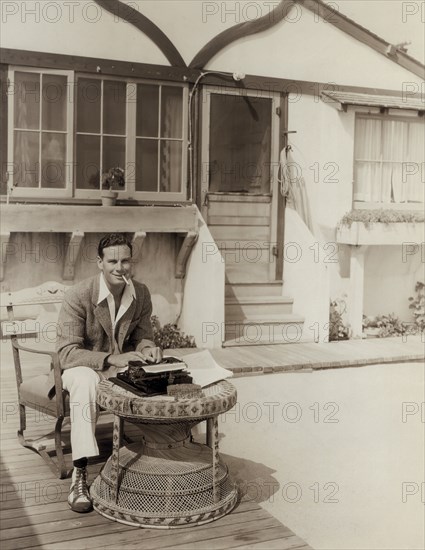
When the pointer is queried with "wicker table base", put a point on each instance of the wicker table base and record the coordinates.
(167, 480)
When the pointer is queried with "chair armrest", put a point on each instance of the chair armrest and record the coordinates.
(16, 345)
(57, 373)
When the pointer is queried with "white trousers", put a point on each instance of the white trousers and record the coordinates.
(81, 383)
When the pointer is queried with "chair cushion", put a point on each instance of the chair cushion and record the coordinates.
(33, 394)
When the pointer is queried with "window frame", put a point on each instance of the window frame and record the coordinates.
(40, 192)
(130, 143)
(70, 191)
(274, 97)
(392, 115)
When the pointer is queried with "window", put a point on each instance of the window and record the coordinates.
(101, 130)
(240, 144)
(159, 138)
(40, 128)
(389, 160)
(60, 147)
(137, 126)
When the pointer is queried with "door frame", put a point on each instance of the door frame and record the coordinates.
(275, 143)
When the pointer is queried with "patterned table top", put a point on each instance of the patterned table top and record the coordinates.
(218, 398)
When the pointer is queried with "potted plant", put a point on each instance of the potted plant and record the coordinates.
(112, 180)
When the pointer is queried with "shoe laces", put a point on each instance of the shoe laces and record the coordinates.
(80, 484)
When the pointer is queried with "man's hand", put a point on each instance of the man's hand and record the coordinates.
(152, 355)
(121, 360)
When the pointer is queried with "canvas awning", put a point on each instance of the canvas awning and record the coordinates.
(342, 100)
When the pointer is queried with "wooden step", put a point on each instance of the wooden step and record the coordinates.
(276, 330)
(241, 209)
(257, 233)
(247, 255)
(249, 308)
(238, 220)
(245, 272)
(239, 197)
(242, 244)
(251, 289)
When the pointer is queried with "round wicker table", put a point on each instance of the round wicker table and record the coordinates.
(166, 480)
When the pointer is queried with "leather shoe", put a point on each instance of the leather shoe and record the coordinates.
(79, 497)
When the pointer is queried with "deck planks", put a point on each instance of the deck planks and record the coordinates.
(34, 512)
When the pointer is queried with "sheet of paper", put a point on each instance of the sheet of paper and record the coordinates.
(204, 369)
(164, 367)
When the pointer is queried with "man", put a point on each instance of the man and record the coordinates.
(104, 323)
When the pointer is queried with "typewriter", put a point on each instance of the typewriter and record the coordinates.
(147, 379)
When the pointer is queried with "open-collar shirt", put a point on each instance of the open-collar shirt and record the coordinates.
(127, 297)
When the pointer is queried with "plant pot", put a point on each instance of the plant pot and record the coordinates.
(109, 198)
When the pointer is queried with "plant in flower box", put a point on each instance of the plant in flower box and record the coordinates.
(112, 180)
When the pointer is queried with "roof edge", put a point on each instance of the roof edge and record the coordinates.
(362, 34)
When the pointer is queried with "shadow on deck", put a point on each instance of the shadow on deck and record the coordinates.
(35, 513)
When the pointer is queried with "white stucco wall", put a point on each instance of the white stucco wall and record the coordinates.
(305, 279)
(324, 149)
(304, 47)
(301, 46)
(390, 278)
(74, 28)
(203, 295)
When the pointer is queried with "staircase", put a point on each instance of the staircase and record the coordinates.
(256, 311)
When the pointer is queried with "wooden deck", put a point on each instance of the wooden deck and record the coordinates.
(34, 511)
(35, 514)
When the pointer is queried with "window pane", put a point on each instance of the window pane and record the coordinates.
(368, 139)
(53, 155)
(171, 112)
(26, 161)
(54, 99)
(416, 145)
(146, 165)
(87, 173)
(113, 153)
(147, 110)
(114, 107)
(240, 138)
(171, 166)
(27, 100)
(88, 105)
(414, 172)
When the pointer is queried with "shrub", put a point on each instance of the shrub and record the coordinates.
(390, 325)
(387, 325)
(417, 303)
(337, 328)
(169, 336)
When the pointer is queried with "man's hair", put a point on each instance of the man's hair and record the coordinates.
(113, 239)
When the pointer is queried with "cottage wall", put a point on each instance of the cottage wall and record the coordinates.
(34, 258)
(302, 47)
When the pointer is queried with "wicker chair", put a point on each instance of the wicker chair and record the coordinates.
(44, 303)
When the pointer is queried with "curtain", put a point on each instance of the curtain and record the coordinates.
(367, 154)
(395, 137)
(171, 150)
(389, 157)
(27, 143)
(414, 172)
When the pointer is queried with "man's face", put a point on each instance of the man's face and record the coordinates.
(115, 263)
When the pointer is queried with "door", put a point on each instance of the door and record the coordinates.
(240, 152)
